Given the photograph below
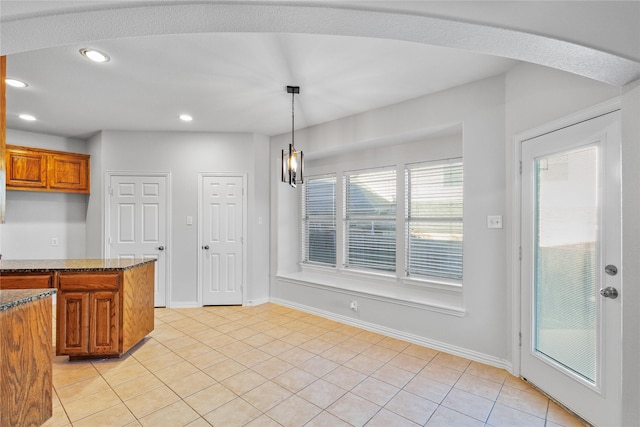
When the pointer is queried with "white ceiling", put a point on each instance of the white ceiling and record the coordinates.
(227, 63)
(229, 82)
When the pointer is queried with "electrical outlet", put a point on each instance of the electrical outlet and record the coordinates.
(54, 241)
(353, 305)
(494, 221)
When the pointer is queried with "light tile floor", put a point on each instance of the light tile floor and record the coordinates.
(273, 366)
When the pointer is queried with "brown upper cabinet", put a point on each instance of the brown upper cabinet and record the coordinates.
(34, 169)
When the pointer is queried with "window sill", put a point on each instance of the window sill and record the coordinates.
(445, 299)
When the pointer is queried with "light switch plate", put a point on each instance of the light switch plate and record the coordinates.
(494, 221)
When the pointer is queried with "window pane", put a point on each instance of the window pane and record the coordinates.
(319, 220)
(434, 220)
(370, 223)
(371, 194)
(321, 242)
(372, 244)
(566, 271)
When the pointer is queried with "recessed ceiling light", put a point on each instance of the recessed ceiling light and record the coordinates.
(15, 83)
(185, 117)
(94, 55)
(27, 117)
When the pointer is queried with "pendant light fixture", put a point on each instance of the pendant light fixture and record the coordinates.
(292, 161)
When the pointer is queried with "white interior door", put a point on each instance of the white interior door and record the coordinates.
(138, 207)
(222, 238)
(571, 334)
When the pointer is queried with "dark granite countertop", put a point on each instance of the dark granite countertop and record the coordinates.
(12, 298)
(47, 265)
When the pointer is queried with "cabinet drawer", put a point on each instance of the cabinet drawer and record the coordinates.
(26, 281)
(88, 281)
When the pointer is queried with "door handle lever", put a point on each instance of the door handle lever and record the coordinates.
(609, 292)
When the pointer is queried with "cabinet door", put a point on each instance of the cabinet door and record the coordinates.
(72, 335)
(26, 169)
(68, 173)
(104, 327)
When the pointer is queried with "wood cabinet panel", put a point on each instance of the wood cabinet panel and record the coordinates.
(88, 281)
(68, 172)
(26, 281)
(104, 322)
(26, 168)
(34, 169)
(26, 364)
(72, 323)
(137, 301)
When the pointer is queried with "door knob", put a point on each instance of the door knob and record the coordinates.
(161, 248)
(611, 270)
(609, 292)
(205, 247)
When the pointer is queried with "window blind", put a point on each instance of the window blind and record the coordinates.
(370, 219)
(434, 194)
(319, 220)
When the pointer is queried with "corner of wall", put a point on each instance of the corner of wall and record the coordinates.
(95, 207)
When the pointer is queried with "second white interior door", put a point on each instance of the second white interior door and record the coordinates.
(222, 239)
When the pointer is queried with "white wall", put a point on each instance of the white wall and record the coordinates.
(479, 108)
(34, 218)
(183, 155)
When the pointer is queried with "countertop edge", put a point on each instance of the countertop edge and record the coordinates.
(59, 268)
(17, 297)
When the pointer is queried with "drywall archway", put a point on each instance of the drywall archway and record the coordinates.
(116, 20)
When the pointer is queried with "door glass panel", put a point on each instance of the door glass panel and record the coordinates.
(566, 251)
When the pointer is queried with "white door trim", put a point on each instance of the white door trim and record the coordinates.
(516, 210)
(107, 224)
(201, 176)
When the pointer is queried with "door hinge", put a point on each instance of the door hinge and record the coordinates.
(520, 167)
(109, 240)
(111, 191)
(520, 253)
(519, 339)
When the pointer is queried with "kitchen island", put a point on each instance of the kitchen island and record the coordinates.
(104, 306)
(25, 357)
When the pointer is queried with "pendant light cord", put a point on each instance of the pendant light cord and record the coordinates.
(292, 120)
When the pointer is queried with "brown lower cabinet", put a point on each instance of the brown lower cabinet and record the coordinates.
(103, 307)
(103, 314)
(88, 323)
